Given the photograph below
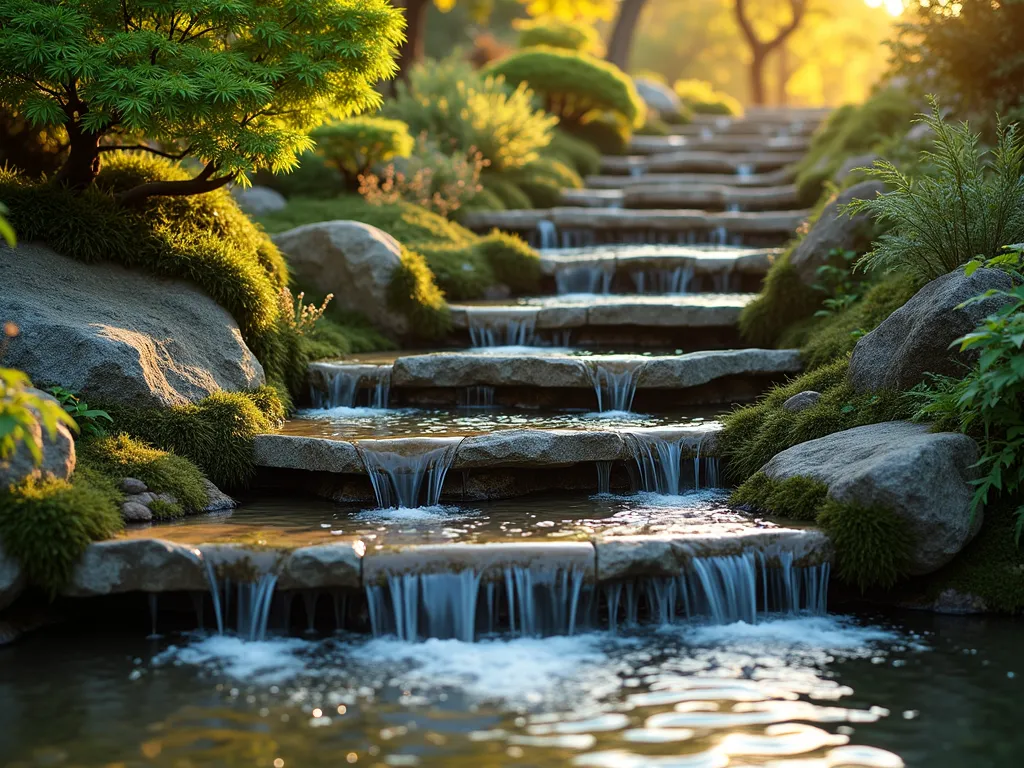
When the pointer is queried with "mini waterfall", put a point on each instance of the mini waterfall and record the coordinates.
(398, 479)
(724, 282)
(343, 388)
(615, 390)
(723, 589)
(381, 392)
(547, 234)
(476, 397)
(732, 207)
(584, 279)
(251, 602)
(502, 331)
(636, 171)
(527, 601)
(710, 467)
(720, 235)
(745, 170)
(604, 477)
(663, 280)
(659, 463)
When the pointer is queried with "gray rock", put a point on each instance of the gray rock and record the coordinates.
(916, 338)
(801, 401)
(352, 260)
(954, 602)
(658, 96)
(217, 499)
(135, 512)
(58, 454)
(536, 447)
(323, 566)
(167, 498)
(137, 565)
(834, 230)
(923, 477)
(132, 486)
(850, 166)
(12, 579)
(257, 200)
(118, 335)
(145, 498)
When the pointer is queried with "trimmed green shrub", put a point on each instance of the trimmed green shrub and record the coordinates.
(575, 152)
(46, 524)
(458, 269)
(558, 33)
(354, 146)
(543, 180)
(413, 293)
(574, 86)
(508, 192)
(512, 260)
(120, 456)
(873, 544)
(484, 200)
(701, 98)
(465, 110)
(605, 132)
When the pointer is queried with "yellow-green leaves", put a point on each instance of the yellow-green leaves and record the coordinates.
(22, 413)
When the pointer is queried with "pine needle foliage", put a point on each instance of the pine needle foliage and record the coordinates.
(969, 208)
(237, 85)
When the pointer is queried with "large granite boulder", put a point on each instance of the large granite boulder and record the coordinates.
(352, 260)
(658, 96)
(921, 476)
(58, 454)
(835, 230)
(916, 338)
(258, 200)
(118, 335)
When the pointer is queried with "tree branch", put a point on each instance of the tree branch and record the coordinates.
(798, 8)
(205, 181)
(146, 148)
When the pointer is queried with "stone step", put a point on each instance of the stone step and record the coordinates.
(708, 197)
(653, 145)
(780, 177)
(697, 161)
(147, 563)
(627, 260)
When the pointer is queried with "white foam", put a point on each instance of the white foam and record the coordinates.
(436, 513)
(818, 633)
(690, 500)
(266, 661)
(343, 412)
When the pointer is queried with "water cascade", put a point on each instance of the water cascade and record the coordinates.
(398, 479)
(343, 387)
(530, 602)
(252, 602)
(503, 331)
(615, 390)
(476, 397)
(663, 280)
(659, 464)
(710, 467)
(744, 170)
(584, 279)
(604, 477)
(547, 234)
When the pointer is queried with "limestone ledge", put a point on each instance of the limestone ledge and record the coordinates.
(667, 220)
(753, 261)
(656, 145)
(687, 160)
(775, 178)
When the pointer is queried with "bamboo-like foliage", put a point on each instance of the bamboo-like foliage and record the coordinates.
(970, 207)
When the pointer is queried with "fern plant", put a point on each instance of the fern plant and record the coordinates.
(967, 209)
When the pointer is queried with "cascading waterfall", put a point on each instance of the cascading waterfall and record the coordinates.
(530, 602)
(476, 397)
(604, 477)
(658, 281)
(659, 465)
(745, 170)
(615, 390)
(502, 331)
(547, 234)
(252, 602)
(343, 388)
(583, 279)
(722, 589)
(710, 467)
(720, 236)
(398, 479)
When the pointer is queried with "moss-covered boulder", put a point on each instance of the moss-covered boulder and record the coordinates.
(917, 480)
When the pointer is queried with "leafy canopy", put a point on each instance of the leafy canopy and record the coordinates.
(237, 84)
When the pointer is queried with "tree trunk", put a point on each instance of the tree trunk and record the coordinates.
(621, 42)
(757, 89)
(411, 50)
(783, 83)
(83, 164)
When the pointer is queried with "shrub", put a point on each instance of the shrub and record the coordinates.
(466, 112)
(354, 146)
(574, 86)
(508, 192)
(543, 180)
(701, 97)
(574, 152)
(559, 33)
(46, 524)
(412, 292)
(120, 456)
(459, 270)
(873, 545)
(969, 208)
(605, 132)
(512, 260)
(484, 200)
(239, 101)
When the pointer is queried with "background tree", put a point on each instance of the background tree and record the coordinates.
(761, 48)
(236, 86)
(620, 44)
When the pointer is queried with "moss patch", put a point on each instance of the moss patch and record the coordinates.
(873, 545)
(797, 498)
(512, 260)
(574, 152)
(413, 293)
(46, 524)
(784, 300)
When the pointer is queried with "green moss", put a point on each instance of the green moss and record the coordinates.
(700, 97)
(46, 524)
(508, 192)
(166, 510)
(798, 498)
(873, 544)
(604, 133)
(753, 492)
(574, 152)
(543, 180)
(784, 300)
(483, 200)
(413, 293)
(460, 270)
(512, 260)
(216, 434)
(121, 456)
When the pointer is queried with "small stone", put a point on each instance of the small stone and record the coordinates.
(143, 498)
(132, 486)
(133, 512)
(218, 500)
(801, 401)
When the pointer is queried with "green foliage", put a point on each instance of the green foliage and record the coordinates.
(785, 299)
(354, 146)
(459, 270)
(558, 33)
(312, 177)
(46, 524)
(970, 207)
(755, 433)
(89, 420)
(604, 132)
(484, 200)
(22, 412)
(120, 456)
(798, 498)
(6, 230)
(543, 180)
(574, 86)
(852, 130)
(873, 544)
(513, 262)
(412, 292)
(216, 434)
(701, 98)
(235, 85)
(508, 192)
(578, 154)
(466, 111)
